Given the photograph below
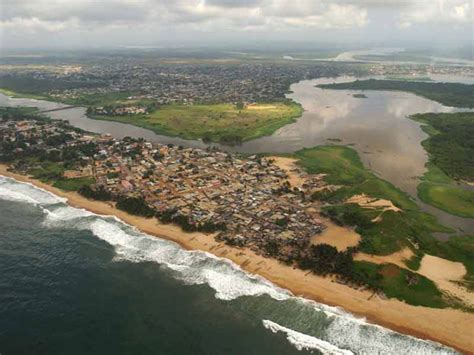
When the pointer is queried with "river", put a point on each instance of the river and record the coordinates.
(377, 127)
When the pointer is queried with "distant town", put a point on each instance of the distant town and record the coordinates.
(183, 80)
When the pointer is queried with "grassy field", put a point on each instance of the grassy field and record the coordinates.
(23, 95)
(217, 123)
(344, 167)
(113, 98)
(450, 94)
(223, 123)
(47, 171)
(451, 199)
(451, 159)
(73, 184)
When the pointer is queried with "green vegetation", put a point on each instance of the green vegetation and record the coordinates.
(451, 144)
(401, 284)
(452, 199)
(97, 193)
(47, 171)
(450, 94)
(324, 259)
(457, 248)
(350, 214)
(135, 205)
(344, 167)
(451, 150)
(22, 95)
(27, 86)
(171, 216)
(389, 233)
(395, 229)
(215, 122)
(73, 184)
(111, 98)
(359, 96)
(414, 262)
(408, 78)
(21, 113)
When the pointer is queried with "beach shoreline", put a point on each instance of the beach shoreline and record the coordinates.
(447, 326)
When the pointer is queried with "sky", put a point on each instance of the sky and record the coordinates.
(104, 23)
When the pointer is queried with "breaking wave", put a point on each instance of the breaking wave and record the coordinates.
(12, 190)
(303, 341)
(337, 332)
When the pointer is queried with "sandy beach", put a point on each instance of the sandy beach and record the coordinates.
(447, 326)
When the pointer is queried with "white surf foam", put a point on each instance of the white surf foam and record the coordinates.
(354, 333)
(305, 342)
(12, 190)
(229, 281)
(192, 267)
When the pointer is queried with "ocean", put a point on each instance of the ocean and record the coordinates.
(72, 282)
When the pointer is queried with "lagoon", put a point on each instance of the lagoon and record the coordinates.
(378, 127)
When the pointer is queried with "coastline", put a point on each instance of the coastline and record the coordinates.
(447, 326)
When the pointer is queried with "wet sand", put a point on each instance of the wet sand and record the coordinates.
(447, 326)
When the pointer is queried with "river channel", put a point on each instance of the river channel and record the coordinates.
(376, 126)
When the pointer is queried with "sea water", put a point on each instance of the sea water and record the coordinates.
(72, 282)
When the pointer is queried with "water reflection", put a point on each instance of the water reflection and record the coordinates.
(377, 127)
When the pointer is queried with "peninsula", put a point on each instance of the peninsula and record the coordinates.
(448, 182)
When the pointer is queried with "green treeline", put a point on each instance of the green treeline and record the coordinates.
(28, 85)
(21, 114)
(450, 94)
(171, 216)
(95, 193)
(135, 205)
(451, 143)
(451, 151)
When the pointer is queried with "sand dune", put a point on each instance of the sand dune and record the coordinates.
(397, 258)
(443, 272)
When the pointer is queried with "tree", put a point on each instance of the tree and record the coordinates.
(135, 205)
(240, 105)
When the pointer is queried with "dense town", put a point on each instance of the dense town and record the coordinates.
(185, 81)
(247, 201)
(169, 83)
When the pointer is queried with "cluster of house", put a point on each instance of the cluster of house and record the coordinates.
(120, 110)
(250, 196)
(28, 135)
(180, 82)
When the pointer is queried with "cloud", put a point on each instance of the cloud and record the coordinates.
(34, 25)
(25, 19)
(229, 13)
(104, 11)
(234, 3)
(437, 12)
(335, 16)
